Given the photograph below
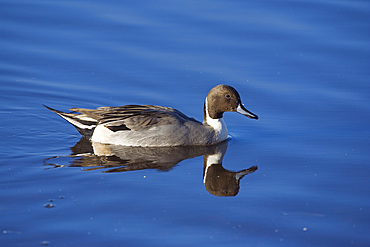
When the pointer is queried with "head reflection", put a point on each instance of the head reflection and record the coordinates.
(218, 180)
(111, 158)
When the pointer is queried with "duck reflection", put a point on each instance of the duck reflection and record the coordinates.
(218, 180)
(93, 156)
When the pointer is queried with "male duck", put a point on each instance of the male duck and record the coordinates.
(149, 125)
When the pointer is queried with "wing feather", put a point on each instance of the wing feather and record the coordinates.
(134, 117)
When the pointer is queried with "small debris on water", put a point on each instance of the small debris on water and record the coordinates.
(49, 205)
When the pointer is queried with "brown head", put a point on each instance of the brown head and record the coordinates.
(223, 98)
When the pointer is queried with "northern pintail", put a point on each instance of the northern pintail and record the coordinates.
(155, 126)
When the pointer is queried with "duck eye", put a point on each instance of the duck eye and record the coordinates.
(227, 96)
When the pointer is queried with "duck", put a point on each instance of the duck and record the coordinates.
(158, 126)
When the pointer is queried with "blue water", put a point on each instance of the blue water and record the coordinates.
(301, 66)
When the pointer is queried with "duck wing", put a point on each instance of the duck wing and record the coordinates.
(135, 117)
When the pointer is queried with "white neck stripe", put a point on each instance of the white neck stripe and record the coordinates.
(217, 124)
(214, 159)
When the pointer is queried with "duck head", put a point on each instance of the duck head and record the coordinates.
(223, 98)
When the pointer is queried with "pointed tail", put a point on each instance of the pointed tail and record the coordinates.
(85, 125)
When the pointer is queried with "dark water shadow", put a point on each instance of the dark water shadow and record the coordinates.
(112, 158)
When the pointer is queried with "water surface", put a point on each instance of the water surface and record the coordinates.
(301, 66)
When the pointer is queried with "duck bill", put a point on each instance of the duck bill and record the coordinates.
(241, 109)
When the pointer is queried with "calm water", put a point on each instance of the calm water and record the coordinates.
(302, 66)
